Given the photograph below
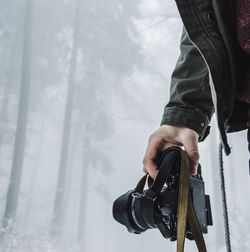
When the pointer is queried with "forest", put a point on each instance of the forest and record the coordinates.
(83, 83)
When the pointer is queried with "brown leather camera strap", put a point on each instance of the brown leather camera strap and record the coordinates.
(186, 211)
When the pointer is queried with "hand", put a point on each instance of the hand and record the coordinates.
(166, 136)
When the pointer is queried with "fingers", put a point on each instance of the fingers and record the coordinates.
(152, 151)
(156, 145)
(165, 137)
(191, 147)
(151, 168)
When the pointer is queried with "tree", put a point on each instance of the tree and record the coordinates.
(106, 64)
(61, 182)
(17, 165)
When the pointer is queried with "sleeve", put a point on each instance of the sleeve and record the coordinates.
(190, 103)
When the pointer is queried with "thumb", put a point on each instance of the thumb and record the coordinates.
(191, 147)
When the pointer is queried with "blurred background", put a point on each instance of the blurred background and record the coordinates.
(83, 83)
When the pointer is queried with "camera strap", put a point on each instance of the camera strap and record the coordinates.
(186, 210)
(156, 185)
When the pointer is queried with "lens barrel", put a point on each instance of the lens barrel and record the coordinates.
(122, 212)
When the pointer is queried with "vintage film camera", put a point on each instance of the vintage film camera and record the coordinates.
(156, 207)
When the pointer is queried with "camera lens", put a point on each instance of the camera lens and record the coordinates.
(122, 212)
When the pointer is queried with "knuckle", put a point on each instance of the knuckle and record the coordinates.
(151, 137)
(189, 134)
(155, 139)
(146, 162)
(187, 137)
(195, 155)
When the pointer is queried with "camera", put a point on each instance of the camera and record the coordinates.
(156, 207)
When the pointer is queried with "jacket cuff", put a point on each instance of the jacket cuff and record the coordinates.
(188, 117)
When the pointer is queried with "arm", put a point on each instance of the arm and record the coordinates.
(190, 103)
(190, 108)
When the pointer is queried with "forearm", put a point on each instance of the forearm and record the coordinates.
(190, 104)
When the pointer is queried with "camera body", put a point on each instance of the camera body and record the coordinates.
(156, 207)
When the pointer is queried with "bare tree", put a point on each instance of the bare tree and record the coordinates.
(94, 97)
(17, 165)
(64, 155)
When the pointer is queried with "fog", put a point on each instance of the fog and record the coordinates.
(83, 83)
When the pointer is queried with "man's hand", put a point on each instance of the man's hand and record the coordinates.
(166, 136)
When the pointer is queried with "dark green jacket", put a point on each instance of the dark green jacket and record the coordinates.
(207, 73)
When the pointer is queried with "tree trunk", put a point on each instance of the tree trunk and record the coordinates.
(92, 79)
(83, 192)
(7, 82)
(5, 102)
(26, 219)
(60, 190)
(16, 170)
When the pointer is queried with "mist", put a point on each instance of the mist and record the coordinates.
(83, 84)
